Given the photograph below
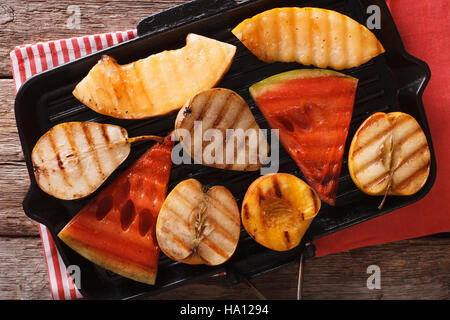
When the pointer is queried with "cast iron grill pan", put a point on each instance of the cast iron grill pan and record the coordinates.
(391, 82)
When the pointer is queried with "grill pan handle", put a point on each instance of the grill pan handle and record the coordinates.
(182, 14)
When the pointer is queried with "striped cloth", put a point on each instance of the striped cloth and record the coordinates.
(28, 60)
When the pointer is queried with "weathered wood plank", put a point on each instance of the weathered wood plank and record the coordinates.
(14, 180)
(10, 149)
(23, 274)
(14, 185)
(30, 21)
(411, 269)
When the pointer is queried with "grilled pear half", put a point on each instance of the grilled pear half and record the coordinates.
(158, 84)
(310, 36)
(389, 154)
(278, 209)
(195, 226)
(217, 128)
(73, 159)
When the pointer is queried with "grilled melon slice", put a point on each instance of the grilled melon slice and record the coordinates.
(158, 84)
(310, 36)
(221, 110)
(198, 227)
(116, 229)
(389, 153)
(278, 209)
(73, 159)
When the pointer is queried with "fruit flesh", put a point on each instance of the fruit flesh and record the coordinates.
(158, 84)
(221, 110)
(310, 36)
(312, 110)
(197, 226)
(73, 159)
(116, 229)
(410, 154)
(277, 210)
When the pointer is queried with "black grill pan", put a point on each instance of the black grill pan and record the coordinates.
(393, 81)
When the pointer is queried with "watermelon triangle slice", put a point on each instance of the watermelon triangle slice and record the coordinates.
(312, 108)
(116, 229)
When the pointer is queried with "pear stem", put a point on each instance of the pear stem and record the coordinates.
(145, 138)
(385, 196)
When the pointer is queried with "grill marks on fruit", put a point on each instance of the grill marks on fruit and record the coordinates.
(222, 113)
(55, 150)
(419, 152)
(145, 222)
(95, 155)
(155, 81)
(417, 174)
(416, 153)
(127, 215)
(60, 163)
(246, 211)
(74, 155)
(116, 228)
(104, 206)
(277, 189)
(218, 206)
(141, 86)
(376, 138)
(122, 193)
(286, 236)
(315, 36)
(204, 224)
(285, 123)
(278, 221)
(225, 111)
(105, 134)
(176, 240)
(313, 129)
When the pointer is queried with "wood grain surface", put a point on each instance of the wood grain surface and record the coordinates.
(410, 269)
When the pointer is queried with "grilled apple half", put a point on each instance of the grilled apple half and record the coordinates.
(229, 136)
(310, 36)
(389, 154)
(198, 227)
(158, 84)
(278, 209)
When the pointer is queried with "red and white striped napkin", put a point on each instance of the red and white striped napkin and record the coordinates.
(28, 60)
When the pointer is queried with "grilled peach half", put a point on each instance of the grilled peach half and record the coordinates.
(278, 209)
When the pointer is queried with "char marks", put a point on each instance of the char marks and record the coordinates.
(74, 158)
(224, 115)
(204, 224)
(375, 164)
(324, 38)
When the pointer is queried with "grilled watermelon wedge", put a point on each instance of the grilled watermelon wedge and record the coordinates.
(312, 109)
(116, 230)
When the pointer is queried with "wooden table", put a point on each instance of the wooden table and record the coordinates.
(411, 269)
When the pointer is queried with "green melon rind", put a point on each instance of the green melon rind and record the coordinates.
(272, 82)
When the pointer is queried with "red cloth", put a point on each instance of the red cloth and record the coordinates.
(425, 29)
